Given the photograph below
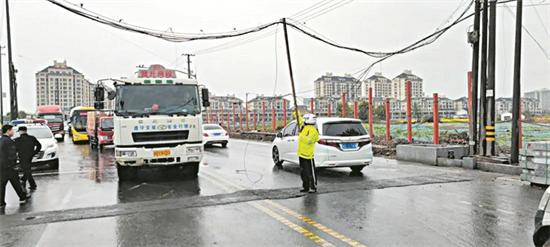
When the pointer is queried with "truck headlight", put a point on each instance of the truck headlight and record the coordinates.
(125, 153)
(193, 150)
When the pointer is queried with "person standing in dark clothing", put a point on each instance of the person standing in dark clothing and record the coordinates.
(27, 147)
(8, 160)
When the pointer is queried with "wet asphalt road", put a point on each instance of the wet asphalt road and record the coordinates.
(241, 199)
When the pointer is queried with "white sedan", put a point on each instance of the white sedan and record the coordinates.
(49, 152)
(344, 142)
(214, 134)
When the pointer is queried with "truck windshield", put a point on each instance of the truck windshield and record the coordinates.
(107, 124)
(52, 118)
(157, 99)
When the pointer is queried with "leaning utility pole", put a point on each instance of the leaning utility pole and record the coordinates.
(491, 59)
(188, 64)
(483, 81)
(1, 91)
(516, 100)
(14, 111)
(474, 40)
(291, 74)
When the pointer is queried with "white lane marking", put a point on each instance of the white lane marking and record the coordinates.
(66, 198)
(252, 142)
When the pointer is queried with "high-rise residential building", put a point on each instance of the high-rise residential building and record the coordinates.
(334, 86)
(543, 98)
(399, 85)
(59, 84)
(381, 86)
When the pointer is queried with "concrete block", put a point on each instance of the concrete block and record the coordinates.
(428, 153)
(449, 162)
(469, 163)
(499, 168)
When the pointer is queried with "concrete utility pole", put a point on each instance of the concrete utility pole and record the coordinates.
(491, 60)
(1, 91)
(516, 100)
(483, 80)
(474, 40)
(290, 72)
(14, 110)
(188, 63)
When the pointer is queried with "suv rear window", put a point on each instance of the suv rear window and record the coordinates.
(211, 127)
(347, 128)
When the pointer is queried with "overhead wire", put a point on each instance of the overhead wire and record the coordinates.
(537, 42)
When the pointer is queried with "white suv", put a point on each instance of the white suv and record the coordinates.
(49, 152)
(344, 142)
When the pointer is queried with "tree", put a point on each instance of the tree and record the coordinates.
(349, 110)
(380, 112)
(21, 114)
(364, 110)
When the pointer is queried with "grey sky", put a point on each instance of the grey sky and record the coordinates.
(43, 32)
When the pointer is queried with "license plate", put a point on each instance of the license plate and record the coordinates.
(348, 146)
(161, 153)
(217, 134)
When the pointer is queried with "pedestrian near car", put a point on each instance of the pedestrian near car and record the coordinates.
(8, 160)
(307, 138)
(27, 147)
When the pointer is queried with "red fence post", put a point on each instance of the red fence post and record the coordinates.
(436, 118)
(246, 112)
(263, 115)
(371, 115)
(273, 118)
(408, 93)
(344, 105)
(284, 112)
(388, 118)
(329, 109)
(221, 117)
(312, 106)
(255, 118)
(241, 119)
(234, 117)
(469, 97)
(355, 109)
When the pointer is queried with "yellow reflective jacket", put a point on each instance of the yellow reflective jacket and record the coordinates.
(306, 139)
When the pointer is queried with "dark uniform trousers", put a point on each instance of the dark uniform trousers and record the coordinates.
(27, 174)
(10, 175)
(309, 178)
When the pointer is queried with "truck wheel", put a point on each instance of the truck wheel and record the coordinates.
(54, 165)
(125, 172)
(356, 169)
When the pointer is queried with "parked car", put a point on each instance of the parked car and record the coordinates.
(344, 142)
(49, 152)
(541, 236)
(214, 134)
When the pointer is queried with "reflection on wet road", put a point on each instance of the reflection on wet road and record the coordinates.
(240, 198)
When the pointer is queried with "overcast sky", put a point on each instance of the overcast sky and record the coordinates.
(42, 32)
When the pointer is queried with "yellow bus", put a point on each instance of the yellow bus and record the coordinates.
(78, 120)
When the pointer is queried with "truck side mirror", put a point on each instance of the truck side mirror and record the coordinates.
(205, 97)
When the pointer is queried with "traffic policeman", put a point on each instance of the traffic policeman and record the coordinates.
(27, 147)
(306, 148)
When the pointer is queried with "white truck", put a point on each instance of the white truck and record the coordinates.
(157, 121)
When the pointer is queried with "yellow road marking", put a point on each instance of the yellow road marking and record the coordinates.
(301, 230)
(296, 215)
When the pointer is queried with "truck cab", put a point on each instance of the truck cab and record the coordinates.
(100, 129)
(55, 118)
(157, 121)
